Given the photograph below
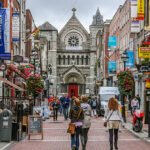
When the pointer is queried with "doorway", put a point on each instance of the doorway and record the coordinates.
(73, 90)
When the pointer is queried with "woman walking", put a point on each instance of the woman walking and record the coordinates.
(86, 122)
(113, 119)
(76, 116)
(55, 105)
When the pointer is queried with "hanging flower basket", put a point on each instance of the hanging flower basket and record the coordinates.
(35, 84)
(125, 82)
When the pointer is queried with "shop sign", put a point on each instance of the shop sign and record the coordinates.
(147, 84)
(130, 62)
(112, 42)
(148, 92)
(144, 52)
(5, 34)
(140, 10)
(135, 26)
(143, 68)
(112, 67)
(15, 27)
(3, 66)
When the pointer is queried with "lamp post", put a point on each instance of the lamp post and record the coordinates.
(34, 57)
(49, 73)
(124, 58)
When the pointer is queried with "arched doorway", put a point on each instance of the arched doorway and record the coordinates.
(74, 82)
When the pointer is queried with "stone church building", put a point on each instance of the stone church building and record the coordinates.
(71, 55)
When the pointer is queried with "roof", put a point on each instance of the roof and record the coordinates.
(47, 27)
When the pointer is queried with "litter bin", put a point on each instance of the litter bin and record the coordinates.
(5, 125)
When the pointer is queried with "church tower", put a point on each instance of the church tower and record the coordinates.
(96, 27)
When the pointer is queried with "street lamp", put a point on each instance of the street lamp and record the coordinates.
(49, 68)
(34, 57)
(124, 58)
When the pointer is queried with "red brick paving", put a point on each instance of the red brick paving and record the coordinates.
(56, 138)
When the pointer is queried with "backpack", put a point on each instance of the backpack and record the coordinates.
(93, 103)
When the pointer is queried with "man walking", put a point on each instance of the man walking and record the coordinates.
(65, 105)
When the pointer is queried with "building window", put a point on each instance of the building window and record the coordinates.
(77, 60)
(59, 60)
(87, 60)
(64, 58)
(82, 60)
(68, 60)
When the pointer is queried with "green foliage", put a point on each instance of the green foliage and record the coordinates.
(125, 82)
(34, 85)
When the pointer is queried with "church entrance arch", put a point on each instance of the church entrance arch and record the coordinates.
(74, 81)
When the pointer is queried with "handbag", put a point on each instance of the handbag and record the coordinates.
(72, 127)
(105, 123)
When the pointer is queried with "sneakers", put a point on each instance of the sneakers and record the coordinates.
(73, 147)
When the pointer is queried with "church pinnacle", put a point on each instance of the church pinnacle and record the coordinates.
(74, 10)
(97, 18)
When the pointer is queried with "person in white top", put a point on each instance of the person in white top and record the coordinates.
(113, 118)
(134, 104)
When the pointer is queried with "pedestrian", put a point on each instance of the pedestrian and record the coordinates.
(93, 104)
(139, 100)
(65, 105)
(76, 116)
(55, 105)
(113, 118)
(134, 105)
(86, 122)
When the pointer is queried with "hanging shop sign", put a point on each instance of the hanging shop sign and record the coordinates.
(112, 67)
(148, 92)
(133, 8)
(144, 52)
(147, 84)
(5, 34)
(135, 26)
(15, 27)
(130, 62)
(3, 66)
(143, 68)
(140, 10)
(112, 42)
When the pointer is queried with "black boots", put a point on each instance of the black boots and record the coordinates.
(115, 145)
(111, 146)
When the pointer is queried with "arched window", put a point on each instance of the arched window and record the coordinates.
(68, 60)
(82, 60)
(87, 60)
(77, 60)
(64, 58)
(59, 60)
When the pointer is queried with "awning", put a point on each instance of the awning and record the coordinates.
(11, 84)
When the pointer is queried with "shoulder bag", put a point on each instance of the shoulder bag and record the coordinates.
(105, 123)
(71, 127)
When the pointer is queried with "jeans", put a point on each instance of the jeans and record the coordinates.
(84, 137)
(65, 112)
(113, 134)
(55, 114)
(75, 142)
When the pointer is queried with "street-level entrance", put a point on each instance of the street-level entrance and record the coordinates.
(73, 90)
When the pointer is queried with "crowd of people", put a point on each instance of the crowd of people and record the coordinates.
(79, 111)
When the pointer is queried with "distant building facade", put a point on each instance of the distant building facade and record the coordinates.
(72, 55)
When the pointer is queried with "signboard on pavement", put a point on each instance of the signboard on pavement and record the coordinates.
(35, 126)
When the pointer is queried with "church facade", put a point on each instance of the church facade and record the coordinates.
(72, 56)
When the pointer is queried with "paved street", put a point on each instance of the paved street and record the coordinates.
(56, 138)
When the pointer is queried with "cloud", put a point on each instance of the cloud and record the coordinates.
(58, 12)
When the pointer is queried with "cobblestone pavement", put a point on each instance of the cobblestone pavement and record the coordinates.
(56, 138)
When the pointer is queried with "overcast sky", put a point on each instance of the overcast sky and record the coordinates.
(58, 12)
